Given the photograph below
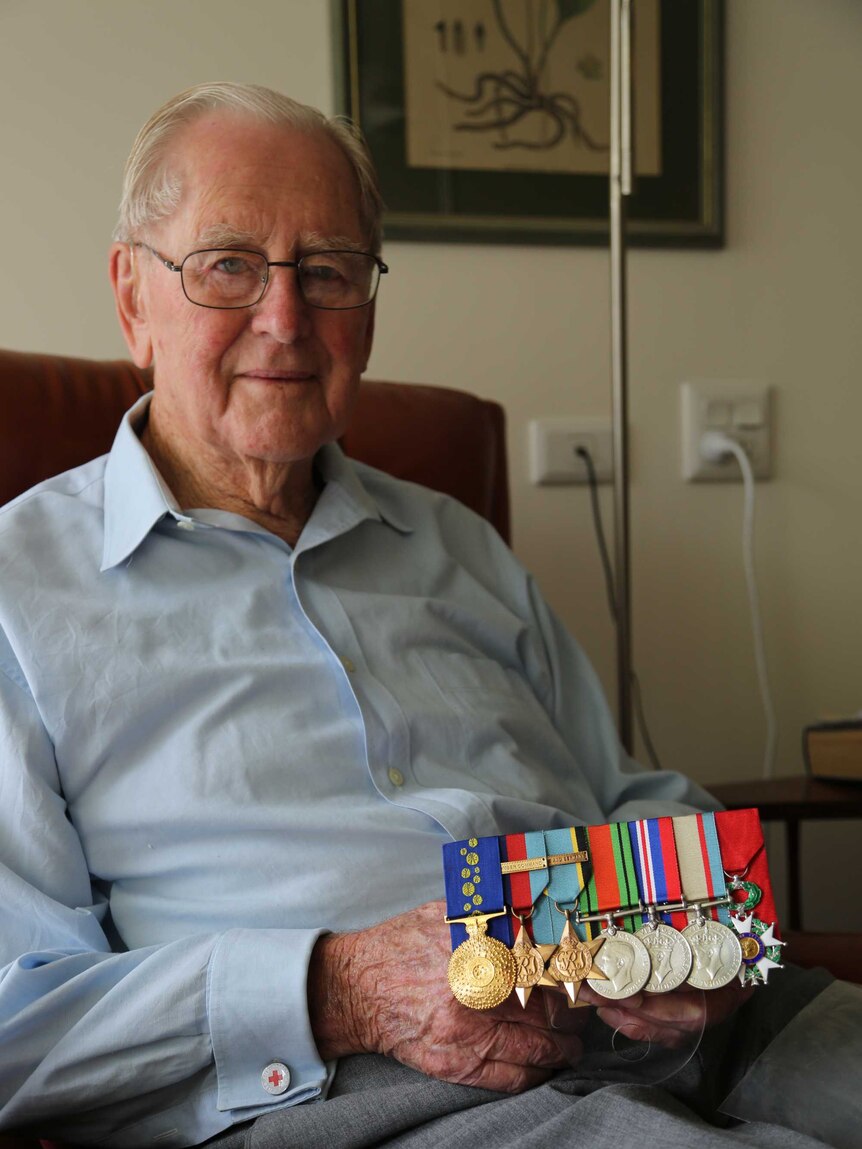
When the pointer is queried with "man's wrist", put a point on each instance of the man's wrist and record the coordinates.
(336, 1019)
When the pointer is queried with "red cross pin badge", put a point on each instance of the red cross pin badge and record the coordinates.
(275, 1078)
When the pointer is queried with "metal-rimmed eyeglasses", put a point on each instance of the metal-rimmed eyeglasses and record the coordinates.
(227, 278)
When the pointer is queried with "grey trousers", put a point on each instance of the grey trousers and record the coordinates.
(784, 1073)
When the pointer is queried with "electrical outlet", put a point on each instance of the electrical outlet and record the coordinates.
(553, 445)
(738, 408)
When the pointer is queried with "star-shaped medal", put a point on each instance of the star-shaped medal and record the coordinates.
(761, 950)
(572, 962)
(529, 963)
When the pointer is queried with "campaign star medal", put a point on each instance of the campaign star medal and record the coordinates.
(529, 965)
(482, 969)
(761, 950)
(573, 961)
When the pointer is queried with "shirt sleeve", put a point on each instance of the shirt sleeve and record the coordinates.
(167, 1042)
(624, 789)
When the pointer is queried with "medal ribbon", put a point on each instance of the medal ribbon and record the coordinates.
(700, 866)
(566, 882)
(474, 885)
(654, 852)
(742, 850)
(614, 883)
(524, 890)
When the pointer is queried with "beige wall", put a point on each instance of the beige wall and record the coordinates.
(529, 326)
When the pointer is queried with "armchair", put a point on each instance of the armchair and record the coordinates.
(59, 412)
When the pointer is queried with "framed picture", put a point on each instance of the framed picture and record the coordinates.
(488, 120)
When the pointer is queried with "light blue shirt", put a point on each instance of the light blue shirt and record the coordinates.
(214, 747)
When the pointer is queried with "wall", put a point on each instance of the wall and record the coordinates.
(529, 327)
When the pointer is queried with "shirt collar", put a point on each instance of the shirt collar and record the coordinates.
(137, 497)
(335, 468)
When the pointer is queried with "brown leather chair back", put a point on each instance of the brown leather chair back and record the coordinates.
(57, 412)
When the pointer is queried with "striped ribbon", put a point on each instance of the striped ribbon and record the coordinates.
(614, 882)
(654, 852)
(700, 868)
(566, 883)
(474, 885)
(524, 891)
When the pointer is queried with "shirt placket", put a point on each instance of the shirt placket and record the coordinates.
(387, 733)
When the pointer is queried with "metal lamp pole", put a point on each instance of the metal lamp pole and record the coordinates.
(620, 187)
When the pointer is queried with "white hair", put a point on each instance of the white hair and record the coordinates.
(152, 191)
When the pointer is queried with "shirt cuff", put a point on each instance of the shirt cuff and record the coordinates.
(258, 1014)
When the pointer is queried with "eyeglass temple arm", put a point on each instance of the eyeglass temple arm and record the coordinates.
(169, 264)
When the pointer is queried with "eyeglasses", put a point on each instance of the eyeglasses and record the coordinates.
(230, 277)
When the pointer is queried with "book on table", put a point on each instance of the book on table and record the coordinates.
(833, 749)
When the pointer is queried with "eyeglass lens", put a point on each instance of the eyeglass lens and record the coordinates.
(335, 280)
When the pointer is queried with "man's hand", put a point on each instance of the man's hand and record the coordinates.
(668, 1019)
(385, 990)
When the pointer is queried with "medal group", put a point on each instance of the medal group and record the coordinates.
(628, 906)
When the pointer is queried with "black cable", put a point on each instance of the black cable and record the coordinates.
(600, 531)
(642, 724)
(584, 454)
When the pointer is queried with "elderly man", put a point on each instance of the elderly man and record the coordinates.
(248, 690)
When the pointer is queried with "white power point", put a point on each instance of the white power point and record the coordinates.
(738, 408)
(553, 447)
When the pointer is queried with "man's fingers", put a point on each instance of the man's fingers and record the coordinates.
(670, 1019)
(518, 1056)
(531, 1014)
(591, 997)
(642, 1029)
(523, 1045)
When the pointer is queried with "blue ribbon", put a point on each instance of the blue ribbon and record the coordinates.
(474, 885)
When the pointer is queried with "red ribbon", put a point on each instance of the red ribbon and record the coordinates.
(740, 836)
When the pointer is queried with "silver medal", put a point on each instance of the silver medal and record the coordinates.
(670, 956)
(624, 960)
(716, 953)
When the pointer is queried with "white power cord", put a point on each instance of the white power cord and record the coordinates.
(715, 446)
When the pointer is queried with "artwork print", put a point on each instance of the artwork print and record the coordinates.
(522, 85)
(489, 120)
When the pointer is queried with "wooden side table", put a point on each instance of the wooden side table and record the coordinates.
(793, 800)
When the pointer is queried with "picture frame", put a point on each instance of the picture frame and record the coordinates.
(679, 205)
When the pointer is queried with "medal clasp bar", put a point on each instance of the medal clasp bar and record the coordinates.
(703, 904)
(608, 916)
(526, 865)
(475, 923)
(684, 904)
(655, 908)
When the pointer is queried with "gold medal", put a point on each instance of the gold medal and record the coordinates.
(573, 961)
(482, 970)
(750, 949)
(529, 965)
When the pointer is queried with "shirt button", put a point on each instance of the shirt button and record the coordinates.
(348, 665)
(275, 1078)
(185, 524)
(396, 777)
